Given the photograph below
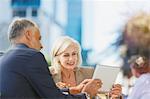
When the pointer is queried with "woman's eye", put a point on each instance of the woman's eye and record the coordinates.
(74, 54)
(66, 55)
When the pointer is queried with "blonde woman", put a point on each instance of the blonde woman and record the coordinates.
(66, 60)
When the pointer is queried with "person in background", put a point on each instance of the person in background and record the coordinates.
(66, 70)
(140, 67)
(24, 72)
(134, 40)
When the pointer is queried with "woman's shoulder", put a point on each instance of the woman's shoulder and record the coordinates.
(84, 73)
(86, 69)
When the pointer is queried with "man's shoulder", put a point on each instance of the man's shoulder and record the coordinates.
(21, 53)
(29, 50)
(26, 51)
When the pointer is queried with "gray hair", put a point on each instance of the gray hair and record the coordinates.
(17, 27)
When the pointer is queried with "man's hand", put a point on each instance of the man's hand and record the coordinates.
(92, 86)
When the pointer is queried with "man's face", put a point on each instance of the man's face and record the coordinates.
(36, 39)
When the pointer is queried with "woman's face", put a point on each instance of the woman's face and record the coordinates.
(134, 72)
(68, 59)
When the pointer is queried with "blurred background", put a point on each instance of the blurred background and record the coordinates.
(98, 25)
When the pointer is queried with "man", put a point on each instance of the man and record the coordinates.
(24, 72)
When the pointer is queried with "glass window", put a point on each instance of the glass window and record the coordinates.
(19, 12)
(34, 12)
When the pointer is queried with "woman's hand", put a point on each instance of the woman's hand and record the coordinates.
(77, 89)
(62, 85)
(116, 91)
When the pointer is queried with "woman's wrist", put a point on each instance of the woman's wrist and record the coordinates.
(74, 90)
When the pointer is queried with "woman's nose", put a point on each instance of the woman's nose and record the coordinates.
(70, 58)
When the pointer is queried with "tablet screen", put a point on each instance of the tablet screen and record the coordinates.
(107, 74)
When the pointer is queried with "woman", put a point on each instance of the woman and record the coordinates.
(140, 67)
(66, 60)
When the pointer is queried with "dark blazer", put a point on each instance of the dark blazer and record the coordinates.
(24, 74)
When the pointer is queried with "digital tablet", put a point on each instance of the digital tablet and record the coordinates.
(107, 74)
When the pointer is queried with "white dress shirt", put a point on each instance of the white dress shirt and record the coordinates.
(141, 90)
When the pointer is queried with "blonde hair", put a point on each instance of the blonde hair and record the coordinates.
(137, 30)
(59, 47)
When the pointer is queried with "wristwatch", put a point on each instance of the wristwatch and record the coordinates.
(87, 95)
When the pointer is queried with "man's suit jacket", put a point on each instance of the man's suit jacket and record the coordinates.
(24, 73)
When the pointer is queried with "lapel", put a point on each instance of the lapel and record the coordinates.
(79, 75)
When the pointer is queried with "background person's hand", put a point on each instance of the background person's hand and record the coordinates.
(92, 86)
(116, 91)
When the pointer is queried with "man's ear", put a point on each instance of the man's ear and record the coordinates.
(28, 34)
